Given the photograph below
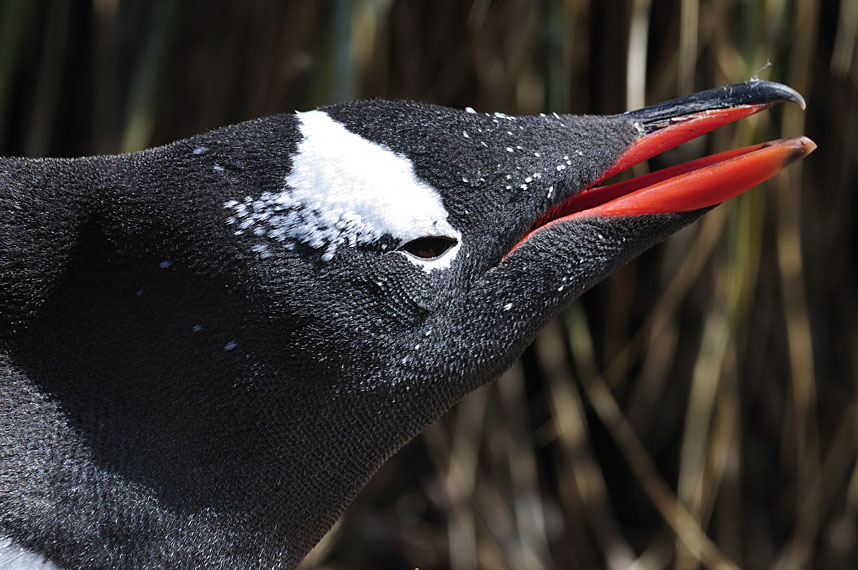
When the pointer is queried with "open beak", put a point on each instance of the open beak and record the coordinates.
(693, 185)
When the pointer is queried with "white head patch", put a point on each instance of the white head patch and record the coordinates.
(345, 190)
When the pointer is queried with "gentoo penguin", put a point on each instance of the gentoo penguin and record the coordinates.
(207, 348)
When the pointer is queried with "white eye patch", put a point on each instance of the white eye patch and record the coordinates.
(345, 190)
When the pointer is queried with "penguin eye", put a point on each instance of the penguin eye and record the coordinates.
(430, 247)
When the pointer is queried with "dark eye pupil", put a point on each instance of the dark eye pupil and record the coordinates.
(428, 247)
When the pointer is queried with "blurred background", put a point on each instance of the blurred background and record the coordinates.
(698, 409)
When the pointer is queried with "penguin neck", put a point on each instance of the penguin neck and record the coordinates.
(188, 415)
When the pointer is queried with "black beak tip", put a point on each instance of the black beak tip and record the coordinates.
(765, 92)
(754, 92)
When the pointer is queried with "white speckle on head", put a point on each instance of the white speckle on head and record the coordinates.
(561, 288)
(470, 110)
(466, 135)
(536, 154)
(528, 179)
(550, 191)
(201, 150)
(561, 167)
(261, 248)
(344, 190)
(165, 264)
(218, 168)
(509, 149)
(230, 345)
(197, 328)
(507, 307)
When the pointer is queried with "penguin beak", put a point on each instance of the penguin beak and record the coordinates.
(693, 185)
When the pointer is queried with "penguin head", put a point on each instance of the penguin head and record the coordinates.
(434, 243)
(391, 213)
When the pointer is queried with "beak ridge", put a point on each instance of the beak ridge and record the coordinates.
(752, 93)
